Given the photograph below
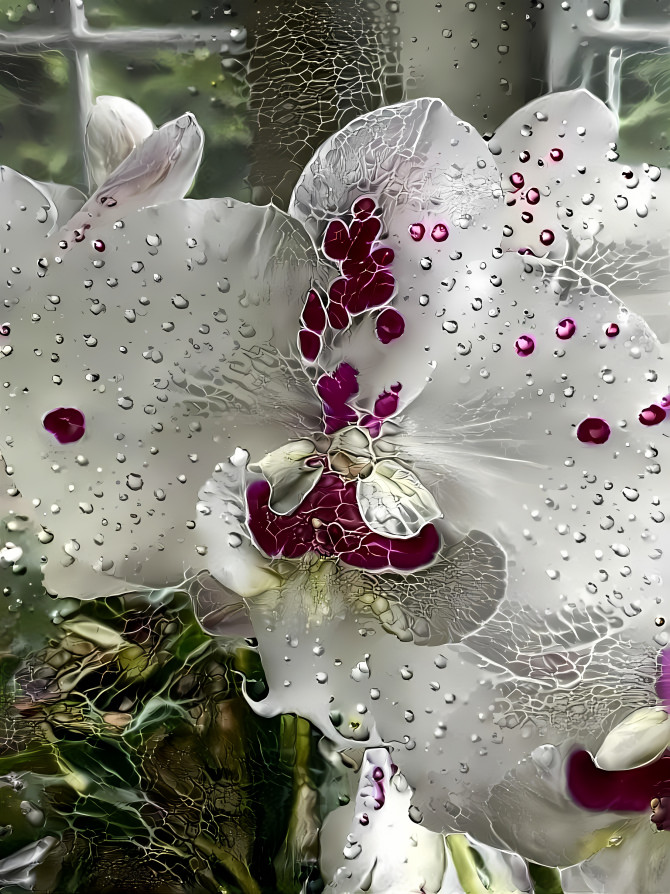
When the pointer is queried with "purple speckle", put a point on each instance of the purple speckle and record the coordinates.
(652, 415)
(417, 231)
(524, 345)
(533, 196)
(556, 154)
(313, 315)
(363, 208)
(593, 430)
(389, 326)
(439, 232)
(98, 245)
(612, 330)
(335, 390)
(517, 180)
(310, 344)
(547, 237)
(566, 328)
(66, 424)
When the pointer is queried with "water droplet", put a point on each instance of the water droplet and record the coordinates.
(652, 415)
(611, 330)
(593, 430)
(417, 231)
(98, 245)
(524, 345)
(566, 328)
(556, 154)
(439, 232)
(547, 237)
(517, 180)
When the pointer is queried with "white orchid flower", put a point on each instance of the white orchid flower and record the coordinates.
(411, 429)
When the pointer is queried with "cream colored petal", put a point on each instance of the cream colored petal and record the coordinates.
(288, 475)
(114, 128)
(639, 739)
(393, 501)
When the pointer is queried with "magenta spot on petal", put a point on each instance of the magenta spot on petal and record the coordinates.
(66, 424)
(98, 245)
(517, 180)
(383, 256)
(526, 217)
(335, 390)
(5, 329)
(566, 328)
(313, 315)
(364, 207)
(417, 231)
(612, 330)
(652, 415)
(387, 402)
(533, 196)
(621, 790)
(310, 344)
(390, 325)
(525, 345)
(336, 241)
(328, 522)
(593, 430)
(547, 237)
(526, 251)
(439, 232)
(556, 154)
(524, 156)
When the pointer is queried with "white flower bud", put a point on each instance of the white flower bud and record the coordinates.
(114, 128)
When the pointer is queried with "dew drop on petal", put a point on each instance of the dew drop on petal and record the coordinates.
(527, 217)
(417, 231)
(439, 232)
(66, 424)
(98, 245)
(524, 156)
(652, 415)
(556, 154)
(517, 180)
(533, 196)
(593, 430)
(525, 345)
(612, 330)
(566, 328)
(547, 237)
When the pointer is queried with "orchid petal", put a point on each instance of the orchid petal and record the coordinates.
(114, 128)
(420, 165)
(638, 739)
(158, 170)
(574, 187)
(288, 475)
(373, 845)
(393, 501)
(156, 350)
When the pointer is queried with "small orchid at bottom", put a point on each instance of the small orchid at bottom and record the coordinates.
(413, 424)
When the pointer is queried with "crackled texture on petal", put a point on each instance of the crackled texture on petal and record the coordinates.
(423, 172)
(373, 844)
(167, 342)
(639, 739)
(289, 476)
(114, 128)
(446, 601)
(502, 439)
(159, 169)
(637, 861)
(394, 502)
(569, 192)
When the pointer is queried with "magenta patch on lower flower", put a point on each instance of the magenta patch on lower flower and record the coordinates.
(625, 790)
(66, 424)
(329, 523)
(593, 430)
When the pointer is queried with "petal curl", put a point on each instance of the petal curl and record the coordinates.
(638, 739)
(160, 169)
(138, 362)
(288, 475)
